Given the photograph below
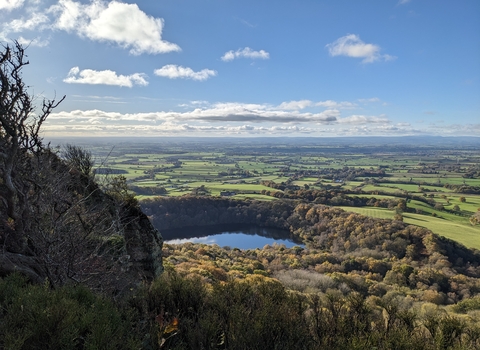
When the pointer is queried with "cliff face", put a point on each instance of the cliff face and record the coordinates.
(129, 255)
(143, 243)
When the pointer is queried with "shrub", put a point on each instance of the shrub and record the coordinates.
(37, 317)
(467, 305)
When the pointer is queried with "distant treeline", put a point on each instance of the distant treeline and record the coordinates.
(148, 190)
(466, 189)
(109, 171)
(338, 196)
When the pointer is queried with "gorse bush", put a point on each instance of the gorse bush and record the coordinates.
(37, 317)
(181, 312)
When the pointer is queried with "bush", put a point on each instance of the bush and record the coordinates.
(467, 305)
(37, 317)
(303, 280)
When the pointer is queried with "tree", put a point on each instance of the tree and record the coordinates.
(20, 141)
(475, 218)
(398, 217)
(439, 206)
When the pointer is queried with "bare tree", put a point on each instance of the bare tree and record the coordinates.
(19, 138)
(78, 158)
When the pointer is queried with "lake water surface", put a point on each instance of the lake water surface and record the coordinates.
(234, 236)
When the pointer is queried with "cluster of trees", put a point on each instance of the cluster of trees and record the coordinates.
(335, 196)
(346, 173)
(372, 255)
(472, 172)
(236, 172)
(338, 196)
(463, 188)
(148, 190)
(171, 213)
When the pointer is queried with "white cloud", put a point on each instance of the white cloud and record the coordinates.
(218, 113)
(37, 22)
(334, 104)
(33, 42)
(123, 24)
(237, 119)
(362, 119)
(329, 104)
(403, 2)
(295, 105)
(352, 46)
(94, 127)
(245, 53)
(19, 25)
(10, 4)
(104, 77)
(173, 71)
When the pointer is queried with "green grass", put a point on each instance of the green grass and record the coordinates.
(472, 203)
(463, 233)
(403, 187)
(378, 213)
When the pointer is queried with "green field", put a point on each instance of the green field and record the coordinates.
(463, 233)
(242, 169)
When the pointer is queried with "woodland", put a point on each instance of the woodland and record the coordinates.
(83, 264)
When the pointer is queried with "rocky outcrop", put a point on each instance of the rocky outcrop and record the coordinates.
(143, 243)
(75, 232)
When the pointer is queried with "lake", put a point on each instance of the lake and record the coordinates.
(234, 236)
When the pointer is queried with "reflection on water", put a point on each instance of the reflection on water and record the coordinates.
(242, 237)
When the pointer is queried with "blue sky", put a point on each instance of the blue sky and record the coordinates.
(252, 68)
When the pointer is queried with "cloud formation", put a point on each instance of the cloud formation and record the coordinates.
(363, 119)
(329, 104)
(240, 119)
(245, 53)
(172, 71)
(32, 23)
(295, 105)
(352, 46)
(217, 113)
(10, 4)
(124, 24)
(104, 77)
(335, 104)
(37, 21)
(102, 127)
